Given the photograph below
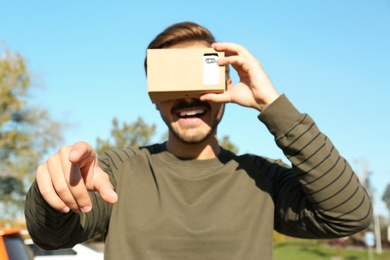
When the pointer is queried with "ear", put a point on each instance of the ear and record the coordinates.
(229, 83)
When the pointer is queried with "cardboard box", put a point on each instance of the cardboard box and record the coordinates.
(183, 73)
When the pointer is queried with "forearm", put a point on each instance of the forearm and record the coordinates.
(330, 198)
(51, 229)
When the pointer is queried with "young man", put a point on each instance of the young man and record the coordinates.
(188, 198)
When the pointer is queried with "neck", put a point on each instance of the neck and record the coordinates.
(208, 149)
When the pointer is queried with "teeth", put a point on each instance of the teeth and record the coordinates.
(191, 113)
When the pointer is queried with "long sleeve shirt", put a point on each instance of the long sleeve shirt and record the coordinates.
(223, 208)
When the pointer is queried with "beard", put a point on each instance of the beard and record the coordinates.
(194, 138)
(190, 135)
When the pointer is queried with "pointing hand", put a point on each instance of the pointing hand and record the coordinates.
(67, 176)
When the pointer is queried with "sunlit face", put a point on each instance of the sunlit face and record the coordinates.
(190, 120)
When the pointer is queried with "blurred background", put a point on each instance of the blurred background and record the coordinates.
(73, 71)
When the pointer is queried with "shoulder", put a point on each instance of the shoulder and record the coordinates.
(115, 157)
(257, 166)
(259, 161)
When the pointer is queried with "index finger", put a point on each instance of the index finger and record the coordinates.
(78, 189)
(78, 162)
(82, 153)
(232, 49)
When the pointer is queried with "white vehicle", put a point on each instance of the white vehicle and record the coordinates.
(79, 251)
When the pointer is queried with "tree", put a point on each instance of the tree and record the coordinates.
(26, 132)
(138, 133)
(228, 145)
(365, 179)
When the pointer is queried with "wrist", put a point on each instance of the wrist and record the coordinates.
(270, 98)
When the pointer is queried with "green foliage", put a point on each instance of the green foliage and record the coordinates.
(10, 188)
(305, 249)
(228, 145)
(26, 132)
(138, 133)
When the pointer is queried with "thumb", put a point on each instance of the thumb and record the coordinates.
(217, 98)
(103, 186)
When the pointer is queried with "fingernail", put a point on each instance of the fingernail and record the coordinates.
(66, 209)
(86, 209)
(77, 211)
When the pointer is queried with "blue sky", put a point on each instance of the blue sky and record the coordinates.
(331, 58)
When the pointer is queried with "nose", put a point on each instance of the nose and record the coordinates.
(189, 100)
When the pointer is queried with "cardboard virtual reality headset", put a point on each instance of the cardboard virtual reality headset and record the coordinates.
(184, 73)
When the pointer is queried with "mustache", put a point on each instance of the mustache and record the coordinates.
(183, 103)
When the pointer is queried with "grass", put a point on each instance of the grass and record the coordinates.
(315, 250)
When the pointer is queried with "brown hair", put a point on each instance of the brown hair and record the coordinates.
(179, 33)
(182, 32)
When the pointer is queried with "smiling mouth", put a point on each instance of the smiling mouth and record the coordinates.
(190, 109)
(192, 113)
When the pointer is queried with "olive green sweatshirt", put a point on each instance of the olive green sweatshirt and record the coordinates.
(222, 208)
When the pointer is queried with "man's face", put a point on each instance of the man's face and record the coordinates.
(190, 120)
